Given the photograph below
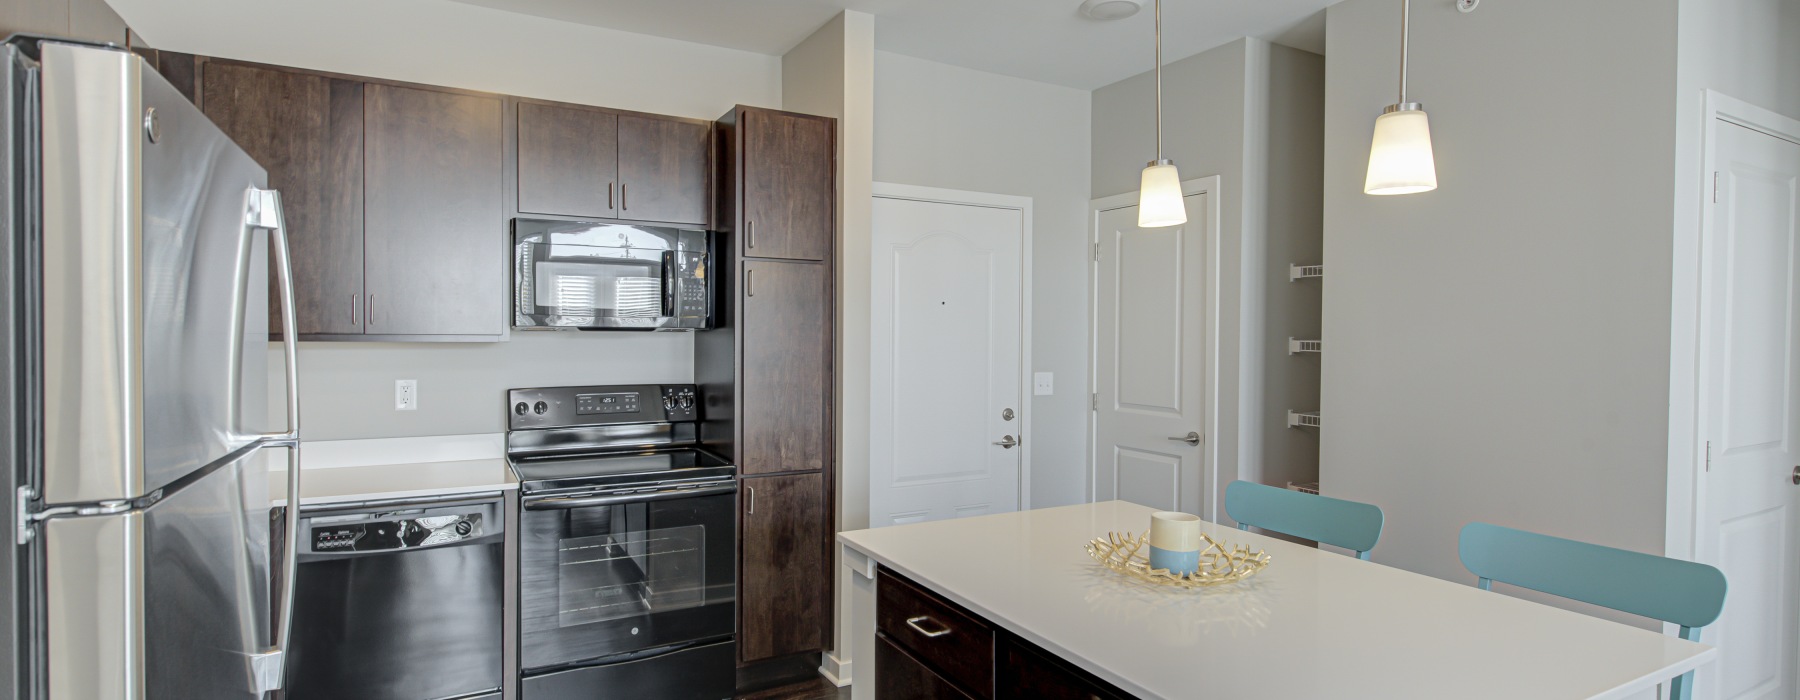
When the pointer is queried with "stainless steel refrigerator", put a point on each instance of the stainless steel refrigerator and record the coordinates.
(135, 274)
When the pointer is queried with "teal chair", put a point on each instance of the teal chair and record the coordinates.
(1686, 593)
(1333, 521)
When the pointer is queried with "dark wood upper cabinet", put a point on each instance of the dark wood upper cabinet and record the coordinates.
(568, 161)
(306, 130)
(786, 364)
(788, 176)
(783, 606)
(601, 164)
(435, 247)
(664, 170)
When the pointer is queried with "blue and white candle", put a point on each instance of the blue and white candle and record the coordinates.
(1175, 542)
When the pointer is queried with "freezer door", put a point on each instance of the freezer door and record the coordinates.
(171, 601)
(154, 295)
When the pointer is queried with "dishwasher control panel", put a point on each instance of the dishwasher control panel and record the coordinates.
(375, 534)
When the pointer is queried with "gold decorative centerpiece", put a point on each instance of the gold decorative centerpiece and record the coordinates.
(1220, 562)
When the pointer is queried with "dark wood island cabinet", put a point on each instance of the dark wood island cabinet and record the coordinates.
(928, 648)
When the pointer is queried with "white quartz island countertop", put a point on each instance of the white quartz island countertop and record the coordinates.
(1314, 624)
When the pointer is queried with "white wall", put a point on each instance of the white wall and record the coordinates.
(831, 73)
(1251, 113)
(348, 387)
(1498, 349)
(938, 125)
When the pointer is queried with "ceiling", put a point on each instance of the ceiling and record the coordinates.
(1043, 40)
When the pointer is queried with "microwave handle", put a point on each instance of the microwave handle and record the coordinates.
(669, 286)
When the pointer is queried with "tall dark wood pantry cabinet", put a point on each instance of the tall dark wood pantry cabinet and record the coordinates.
(767, 372)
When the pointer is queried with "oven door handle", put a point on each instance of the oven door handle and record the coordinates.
(670, 288)
(563, 503)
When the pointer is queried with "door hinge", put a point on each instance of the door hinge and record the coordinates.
(1709, 455)
(1094, 401)
(1096, 253)
(1715, 187)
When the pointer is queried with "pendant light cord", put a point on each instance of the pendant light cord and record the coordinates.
(1159, 80)
(1405, 14)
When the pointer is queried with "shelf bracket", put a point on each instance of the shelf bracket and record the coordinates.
(1297, 419)
(1296, 345)
(1300, 272)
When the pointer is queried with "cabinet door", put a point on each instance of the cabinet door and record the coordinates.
(1029, 674)
(789, 188)
(783, 606)
(307, 131)
(568, 161)
(435, 245)
(664, 167)
(786, 358)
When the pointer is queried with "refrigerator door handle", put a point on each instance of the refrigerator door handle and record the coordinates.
(264, 211)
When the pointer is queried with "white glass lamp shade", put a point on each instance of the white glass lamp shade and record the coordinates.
(1159, 197)
(1400, 160)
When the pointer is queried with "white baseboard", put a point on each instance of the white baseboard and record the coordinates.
(834, 670)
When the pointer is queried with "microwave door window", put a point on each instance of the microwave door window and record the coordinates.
(577, 291)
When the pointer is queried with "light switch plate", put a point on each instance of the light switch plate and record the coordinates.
(1043, 383)
(406, 394)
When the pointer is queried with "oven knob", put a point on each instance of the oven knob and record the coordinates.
(464, 528)
(541, 407)
(521, 408)
(687, 401)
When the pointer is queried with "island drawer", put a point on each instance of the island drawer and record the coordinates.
(899, 676)
(957, 645)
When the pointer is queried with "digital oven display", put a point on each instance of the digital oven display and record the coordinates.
(590, 404)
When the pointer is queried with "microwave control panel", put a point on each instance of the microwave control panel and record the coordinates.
(690, 296)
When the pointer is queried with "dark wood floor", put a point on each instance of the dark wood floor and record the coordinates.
(815, 689)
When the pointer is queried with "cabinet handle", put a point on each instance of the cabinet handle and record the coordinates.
(354, 319)
(624, 201)
(749, 282)
(913, 622)
(752, 490)
(370, 309)
(749, 234)
(609, 199)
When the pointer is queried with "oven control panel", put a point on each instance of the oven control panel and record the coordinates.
(568, 407)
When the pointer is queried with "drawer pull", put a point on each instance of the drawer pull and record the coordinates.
(913, 622)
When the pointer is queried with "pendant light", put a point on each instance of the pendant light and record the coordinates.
(1400, 160)
(1159, 192)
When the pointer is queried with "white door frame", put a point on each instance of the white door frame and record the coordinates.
(917, 193)
(1686, 501)
(1209, 447)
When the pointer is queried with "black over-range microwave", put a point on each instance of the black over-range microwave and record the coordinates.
(594, 276)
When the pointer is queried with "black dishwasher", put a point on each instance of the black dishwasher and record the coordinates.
(398, 602)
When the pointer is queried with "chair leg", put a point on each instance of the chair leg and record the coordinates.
(1682, 686)
(1486, 584)
(1243, 527)
(1362, 555)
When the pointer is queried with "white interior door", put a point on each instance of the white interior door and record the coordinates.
(1749, 525)
(947, 337)
(1150, 288)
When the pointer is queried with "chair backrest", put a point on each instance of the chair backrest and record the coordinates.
(1686, 593)
(1334, 521)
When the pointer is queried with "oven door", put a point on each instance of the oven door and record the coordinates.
(606, 574)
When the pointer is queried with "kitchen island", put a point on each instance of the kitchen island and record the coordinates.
(1018, 589)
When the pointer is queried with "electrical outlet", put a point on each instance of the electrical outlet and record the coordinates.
(406, 394)
(1043, 383)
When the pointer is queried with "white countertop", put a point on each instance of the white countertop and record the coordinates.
(1314, 624)
(348, 471)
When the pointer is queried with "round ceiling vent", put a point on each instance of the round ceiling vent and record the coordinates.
(1110, 9)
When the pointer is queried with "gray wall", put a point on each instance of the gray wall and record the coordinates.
(348, 387)
(943, 126)
(1251, 113)
(1498, 349)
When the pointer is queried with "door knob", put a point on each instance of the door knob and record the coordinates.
(1192, 438)
(1007, 442)
(1797, 476)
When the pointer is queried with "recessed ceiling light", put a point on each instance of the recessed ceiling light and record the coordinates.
(1109, 9)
